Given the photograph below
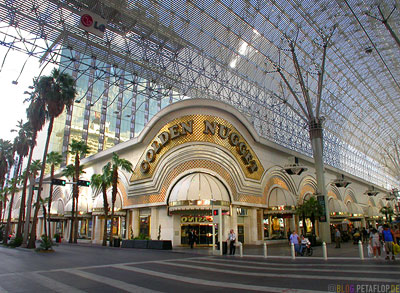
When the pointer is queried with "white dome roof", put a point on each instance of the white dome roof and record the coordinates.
(199, 186)
(354, 208)
(82, 205)
(337, 206)
(281, 197)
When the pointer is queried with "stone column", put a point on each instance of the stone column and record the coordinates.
(233, 221)
(253, 226)
(154, 222)
(292, 224)
(97, 231)
(135, 222)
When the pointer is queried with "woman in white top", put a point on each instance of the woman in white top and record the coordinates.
(375, 242)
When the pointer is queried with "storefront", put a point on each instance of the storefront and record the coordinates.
(279, 217)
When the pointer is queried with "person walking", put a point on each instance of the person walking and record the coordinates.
(375, 242)
(295, 240)
(232, 241)
(389, 239)
(191, 238)
(337, 238)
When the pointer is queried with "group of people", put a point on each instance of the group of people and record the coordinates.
(385, 237)
(300, 243)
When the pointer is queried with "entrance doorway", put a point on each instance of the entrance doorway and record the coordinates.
(203, 231)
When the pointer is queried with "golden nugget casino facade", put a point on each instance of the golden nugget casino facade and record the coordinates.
(199, 155)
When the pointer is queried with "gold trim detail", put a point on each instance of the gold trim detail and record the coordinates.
(179, 135)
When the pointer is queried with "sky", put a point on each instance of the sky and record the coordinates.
(12, 96)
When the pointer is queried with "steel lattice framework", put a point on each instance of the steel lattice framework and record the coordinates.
(227, 50)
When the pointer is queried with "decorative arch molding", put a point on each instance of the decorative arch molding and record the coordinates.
(334, 192)
(177, 172)
(349, 196)
(380, 204)
(371, 202)
(277, 179)
(58, 194)
(203, 154)
(307, 188)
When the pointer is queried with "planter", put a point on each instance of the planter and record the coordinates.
(150, 244)
(160, 244)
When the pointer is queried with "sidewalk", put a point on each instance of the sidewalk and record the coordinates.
(347, 250)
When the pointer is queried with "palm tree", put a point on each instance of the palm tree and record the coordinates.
(36, 113)
(301, 211)
(13, 189)
(101, 182)
(6, 159)
(57, 91)
(388, 212)
(54, 159)
(3, 202)
(42, 203)
(310, 208)
(22, 147)
(116, 163)
(78, 149)
(69, 172)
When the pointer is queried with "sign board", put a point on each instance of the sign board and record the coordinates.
(92, 23)
(321, 201)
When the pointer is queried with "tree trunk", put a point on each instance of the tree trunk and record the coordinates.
(304, 224)
(50, 199)
(21, 218)
(76, 222)
(105, 205)
(32, 238)
(7, 230)
(44, 220)
(76, 194)
(113, 198)
(313, 224)
(71, 234)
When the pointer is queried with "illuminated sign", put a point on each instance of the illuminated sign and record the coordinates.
(196, 219)
(213, 128)
(92, 23)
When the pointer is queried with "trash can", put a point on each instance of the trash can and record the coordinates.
(117, 242)
(224, 247)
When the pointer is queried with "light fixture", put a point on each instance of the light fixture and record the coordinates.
(371, 191)
(341, 182)
(294, 168)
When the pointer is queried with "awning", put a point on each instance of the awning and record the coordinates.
(372, 212)
(281, 197)
(198, 191)
(355, 210)
(337, 208)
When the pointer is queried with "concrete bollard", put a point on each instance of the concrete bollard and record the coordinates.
(324, 251)
(361, 249)
(241, 249)
(265, 250)
(292, 250)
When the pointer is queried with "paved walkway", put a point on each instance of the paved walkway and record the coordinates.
(347, 250)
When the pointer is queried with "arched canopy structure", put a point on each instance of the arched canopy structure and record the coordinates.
(198, 191)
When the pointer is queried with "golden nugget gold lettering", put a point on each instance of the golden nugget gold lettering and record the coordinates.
(164, 138)
(182, 129)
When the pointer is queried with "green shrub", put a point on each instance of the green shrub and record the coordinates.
(16, 242)
(142, 237)
(45, 243)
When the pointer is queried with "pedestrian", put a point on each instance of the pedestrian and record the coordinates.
(191, 238)
(232, 241)
(375, 242)
(337, 238)
(364, 234)
(295, 240)
(195, 238)
(397, 233)
(389, 239)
